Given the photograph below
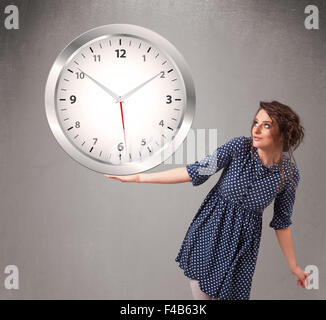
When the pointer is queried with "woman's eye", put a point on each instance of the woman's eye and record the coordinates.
(266, 124)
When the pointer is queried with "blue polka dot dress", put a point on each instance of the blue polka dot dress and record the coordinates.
(221, 245)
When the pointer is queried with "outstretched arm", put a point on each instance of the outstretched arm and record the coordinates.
(176, 175)
(197, 172)
(285, 241)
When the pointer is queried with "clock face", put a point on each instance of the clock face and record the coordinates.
(120, 99)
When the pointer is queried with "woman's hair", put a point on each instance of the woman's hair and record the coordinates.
(289, 126)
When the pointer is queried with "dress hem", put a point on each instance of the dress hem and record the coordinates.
(191, 276)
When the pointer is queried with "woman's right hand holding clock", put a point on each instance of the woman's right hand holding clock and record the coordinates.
(176, 175)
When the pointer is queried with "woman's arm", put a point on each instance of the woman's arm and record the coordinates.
(176, 175)
(285, 241)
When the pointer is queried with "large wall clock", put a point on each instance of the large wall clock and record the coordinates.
(120, 99)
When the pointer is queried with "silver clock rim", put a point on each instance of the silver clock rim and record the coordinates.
(124, 30)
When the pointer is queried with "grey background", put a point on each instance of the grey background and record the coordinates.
(74, 233)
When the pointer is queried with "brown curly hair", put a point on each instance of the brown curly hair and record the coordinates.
(289, 126)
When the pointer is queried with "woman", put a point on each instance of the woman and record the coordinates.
(220, 249)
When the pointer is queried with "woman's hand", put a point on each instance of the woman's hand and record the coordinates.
(302, 276)
(176, 175)
(129, 178)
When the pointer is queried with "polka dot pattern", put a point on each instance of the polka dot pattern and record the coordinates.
(221, 245)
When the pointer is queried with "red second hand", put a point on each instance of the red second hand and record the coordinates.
(123, 124)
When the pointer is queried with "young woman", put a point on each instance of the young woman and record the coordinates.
(220, 249)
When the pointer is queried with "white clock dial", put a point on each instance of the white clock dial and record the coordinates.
(120, 99)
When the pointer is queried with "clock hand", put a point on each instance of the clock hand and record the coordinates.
(123, 124)
(128, 94)
(115, 96)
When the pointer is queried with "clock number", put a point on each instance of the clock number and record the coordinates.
(143, 142)
(161, 123)
(144, 58)
(169, 99)
(123, 54)
(73, 99)
(95, 140)
(97, 58)
(77, 124)
(162, 74)
(120, 146)
(80, 75)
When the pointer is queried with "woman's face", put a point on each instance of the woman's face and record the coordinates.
(264, 130)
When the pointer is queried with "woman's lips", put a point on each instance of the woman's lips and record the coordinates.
(256, 138)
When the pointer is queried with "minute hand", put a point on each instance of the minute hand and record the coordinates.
(110, 92)
(128, 94)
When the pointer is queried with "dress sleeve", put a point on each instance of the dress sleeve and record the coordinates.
(283, 204)
(200, 171)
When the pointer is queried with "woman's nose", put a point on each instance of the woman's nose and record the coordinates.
(257, 133)
(257, 130)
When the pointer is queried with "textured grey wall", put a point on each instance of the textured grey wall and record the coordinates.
(76, 234)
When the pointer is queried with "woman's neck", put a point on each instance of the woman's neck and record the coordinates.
(269, 157)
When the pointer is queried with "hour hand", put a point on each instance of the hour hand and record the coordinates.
(110, 92)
